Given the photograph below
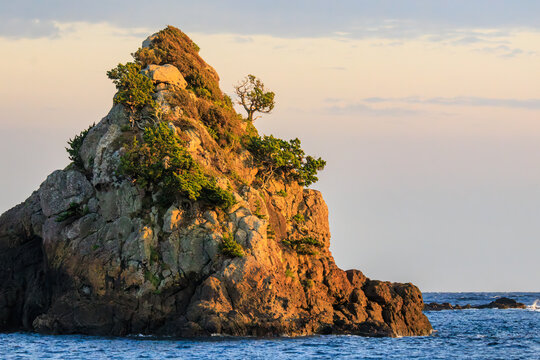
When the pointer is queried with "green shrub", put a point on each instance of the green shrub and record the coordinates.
(213, 133)
(303, 246)
(195, 46)
(307, 284)
(281, 193)
(298, 218)
(162, 163)
(276, 157)
(147, 56)
(134, 89)
(202, 93)
(74, 148)
(213, 194)
(74, 211)
(289, 273)
(230, 247)
(225, 103)
(258, 209)
(152, 278)
(270, 233)
(154, 255)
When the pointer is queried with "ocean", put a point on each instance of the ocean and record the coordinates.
(460, 334)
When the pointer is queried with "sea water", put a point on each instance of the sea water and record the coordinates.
(459, 334)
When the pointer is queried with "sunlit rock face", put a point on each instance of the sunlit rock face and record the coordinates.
(93, 252)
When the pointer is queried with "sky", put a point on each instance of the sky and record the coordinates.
(427, 112)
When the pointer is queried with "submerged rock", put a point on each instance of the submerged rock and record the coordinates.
(93, 252)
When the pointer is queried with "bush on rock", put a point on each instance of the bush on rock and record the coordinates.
(161, 163)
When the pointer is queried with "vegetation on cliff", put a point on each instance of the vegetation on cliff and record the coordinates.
(134, 89)
(230, 247)
(157, 159)
(279, 158)
(253, 96)
(161, 162)
(74, 148)
(172, 46)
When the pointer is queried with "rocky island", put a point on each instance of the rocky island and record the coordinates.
(500, 303)
(176, 218)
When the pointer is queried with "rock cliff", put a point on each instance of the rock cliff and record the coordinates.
(96, 251)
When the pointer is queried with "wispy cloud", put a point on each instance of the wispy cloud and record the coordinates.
(338, 107)
(387, 19)
(504, 51)
(19, 28)
(243, 39)
(533, 104)
(337, 68)
(342, 33)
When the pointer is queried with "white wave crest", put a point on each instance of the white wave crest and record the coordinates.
(535, 305)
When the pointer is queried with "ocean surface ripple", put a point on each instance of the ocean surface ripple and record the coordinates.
(460, 334)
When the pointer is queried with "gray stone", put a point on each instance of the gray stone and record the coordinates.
(148, 41)
(193, 257)
(107, 157)
(124, 200)
(61, 189)
(211, 217)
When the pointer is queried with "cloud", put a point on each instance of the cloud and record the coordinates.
(243, 39)
(532, 104)
(468, 40)
(504, 51)
(388, 44)
(342, 33)
(281, 18)
(338, 108)
(28, 28)
(513, 53)
(337, 68)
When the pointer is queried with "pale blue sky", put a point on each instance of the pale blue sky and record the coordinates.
(426, 111)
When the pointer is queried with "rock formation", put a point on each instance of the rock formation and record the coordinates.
(92, 251)
(501, 303)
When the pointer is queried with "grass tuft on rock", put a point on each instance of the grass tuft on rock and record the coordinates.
(74, 211)
(303, 246)
(229, 247)
(74, 148)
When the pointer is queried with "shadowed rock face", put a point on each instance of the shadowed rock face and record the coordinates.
(124, 264)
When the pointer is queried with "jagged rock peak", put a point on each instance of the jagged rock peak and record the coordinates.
(175, 218)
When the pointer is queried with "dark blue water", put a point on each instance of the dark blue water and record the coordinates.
(466, 334)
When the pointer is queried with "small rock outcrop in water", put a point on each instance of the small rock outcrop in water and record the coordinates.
(501, 303)
(95, 251)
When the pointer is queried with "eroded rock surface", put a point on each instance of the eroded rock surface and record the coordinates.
(91, 252)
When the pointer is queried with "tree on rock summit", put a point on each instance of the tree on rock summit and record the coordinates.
(253, 96)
